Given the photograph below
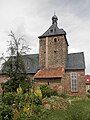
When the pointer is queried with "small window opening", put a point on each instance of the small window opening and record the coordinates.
(44, 52)
(51, 30)
(55, 39)
(48, 83)
(55, 51)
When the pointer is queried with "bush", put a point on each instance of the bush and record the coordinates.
(11, 85)
(37, 101)
(55, 102)
(88, 95)
(42, 116)
(5, 112)
(20, 100)
(8, 98)
(47, 91)
(63, 95)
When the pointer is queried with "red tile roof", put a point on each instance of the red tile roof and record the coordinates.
(87, 79)
(50, 73)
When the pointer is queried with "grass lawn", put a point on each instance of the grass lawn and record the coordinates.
(79, 110)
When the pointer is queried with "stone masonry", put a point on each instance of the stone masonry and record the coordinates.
(53, 51)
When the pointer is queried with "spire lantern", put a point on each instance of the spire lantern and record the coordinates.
(54, 20)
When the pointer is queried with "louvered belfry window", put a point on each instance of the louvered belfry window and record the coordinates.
(74, 83)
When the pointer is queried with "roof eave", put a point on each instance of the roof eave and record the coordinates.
(55, 35)
(48, 77)
(75, 69)
(42, 36)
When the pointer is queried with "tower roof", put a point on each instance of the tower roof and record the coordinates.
(54, 19)
(53, 29)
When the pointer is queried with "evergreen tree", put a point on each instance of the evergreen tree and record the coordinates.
(14, 67)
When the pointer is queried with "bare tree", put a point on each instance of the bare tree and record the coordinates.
(14, 67)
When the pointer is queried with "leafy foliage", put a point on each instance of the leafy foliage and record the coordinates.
(14, 67)
(28, 106)
(47, 91)
(5, 112)
(8, 98)
(55, 102)
(63, 95)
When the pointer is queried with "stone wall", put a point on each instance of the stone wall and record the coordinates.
(42, 51)
(60, 84)
(81, 83)
(64, 84)
(54, 83)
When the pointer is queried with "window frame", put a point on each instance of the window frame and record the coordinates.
(74, 82)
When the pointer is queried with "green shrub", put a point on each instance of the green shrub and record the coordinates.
(55, 102)
(6, 112)
(37, 101)
(42, 116)
(47, 91)
(8, 98)
(63, 95)
(88, 95)
(20, 100)
(10, 85)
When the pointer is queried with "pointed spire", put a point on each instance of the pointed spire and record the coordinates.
(54, 19)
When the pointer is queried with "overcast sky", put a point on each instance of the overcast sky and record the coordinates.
(32, 18)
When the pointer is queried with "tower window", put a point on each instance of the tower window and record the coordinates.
(51, 30)
(55, 39)
(55, 51)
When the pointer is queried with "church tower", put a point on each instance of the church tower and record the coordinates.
(53, 46)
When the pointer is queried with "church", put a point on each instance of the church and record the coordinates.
(53, 65)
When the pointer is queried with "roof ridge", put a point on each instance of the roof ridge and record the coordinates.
(76, 53)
